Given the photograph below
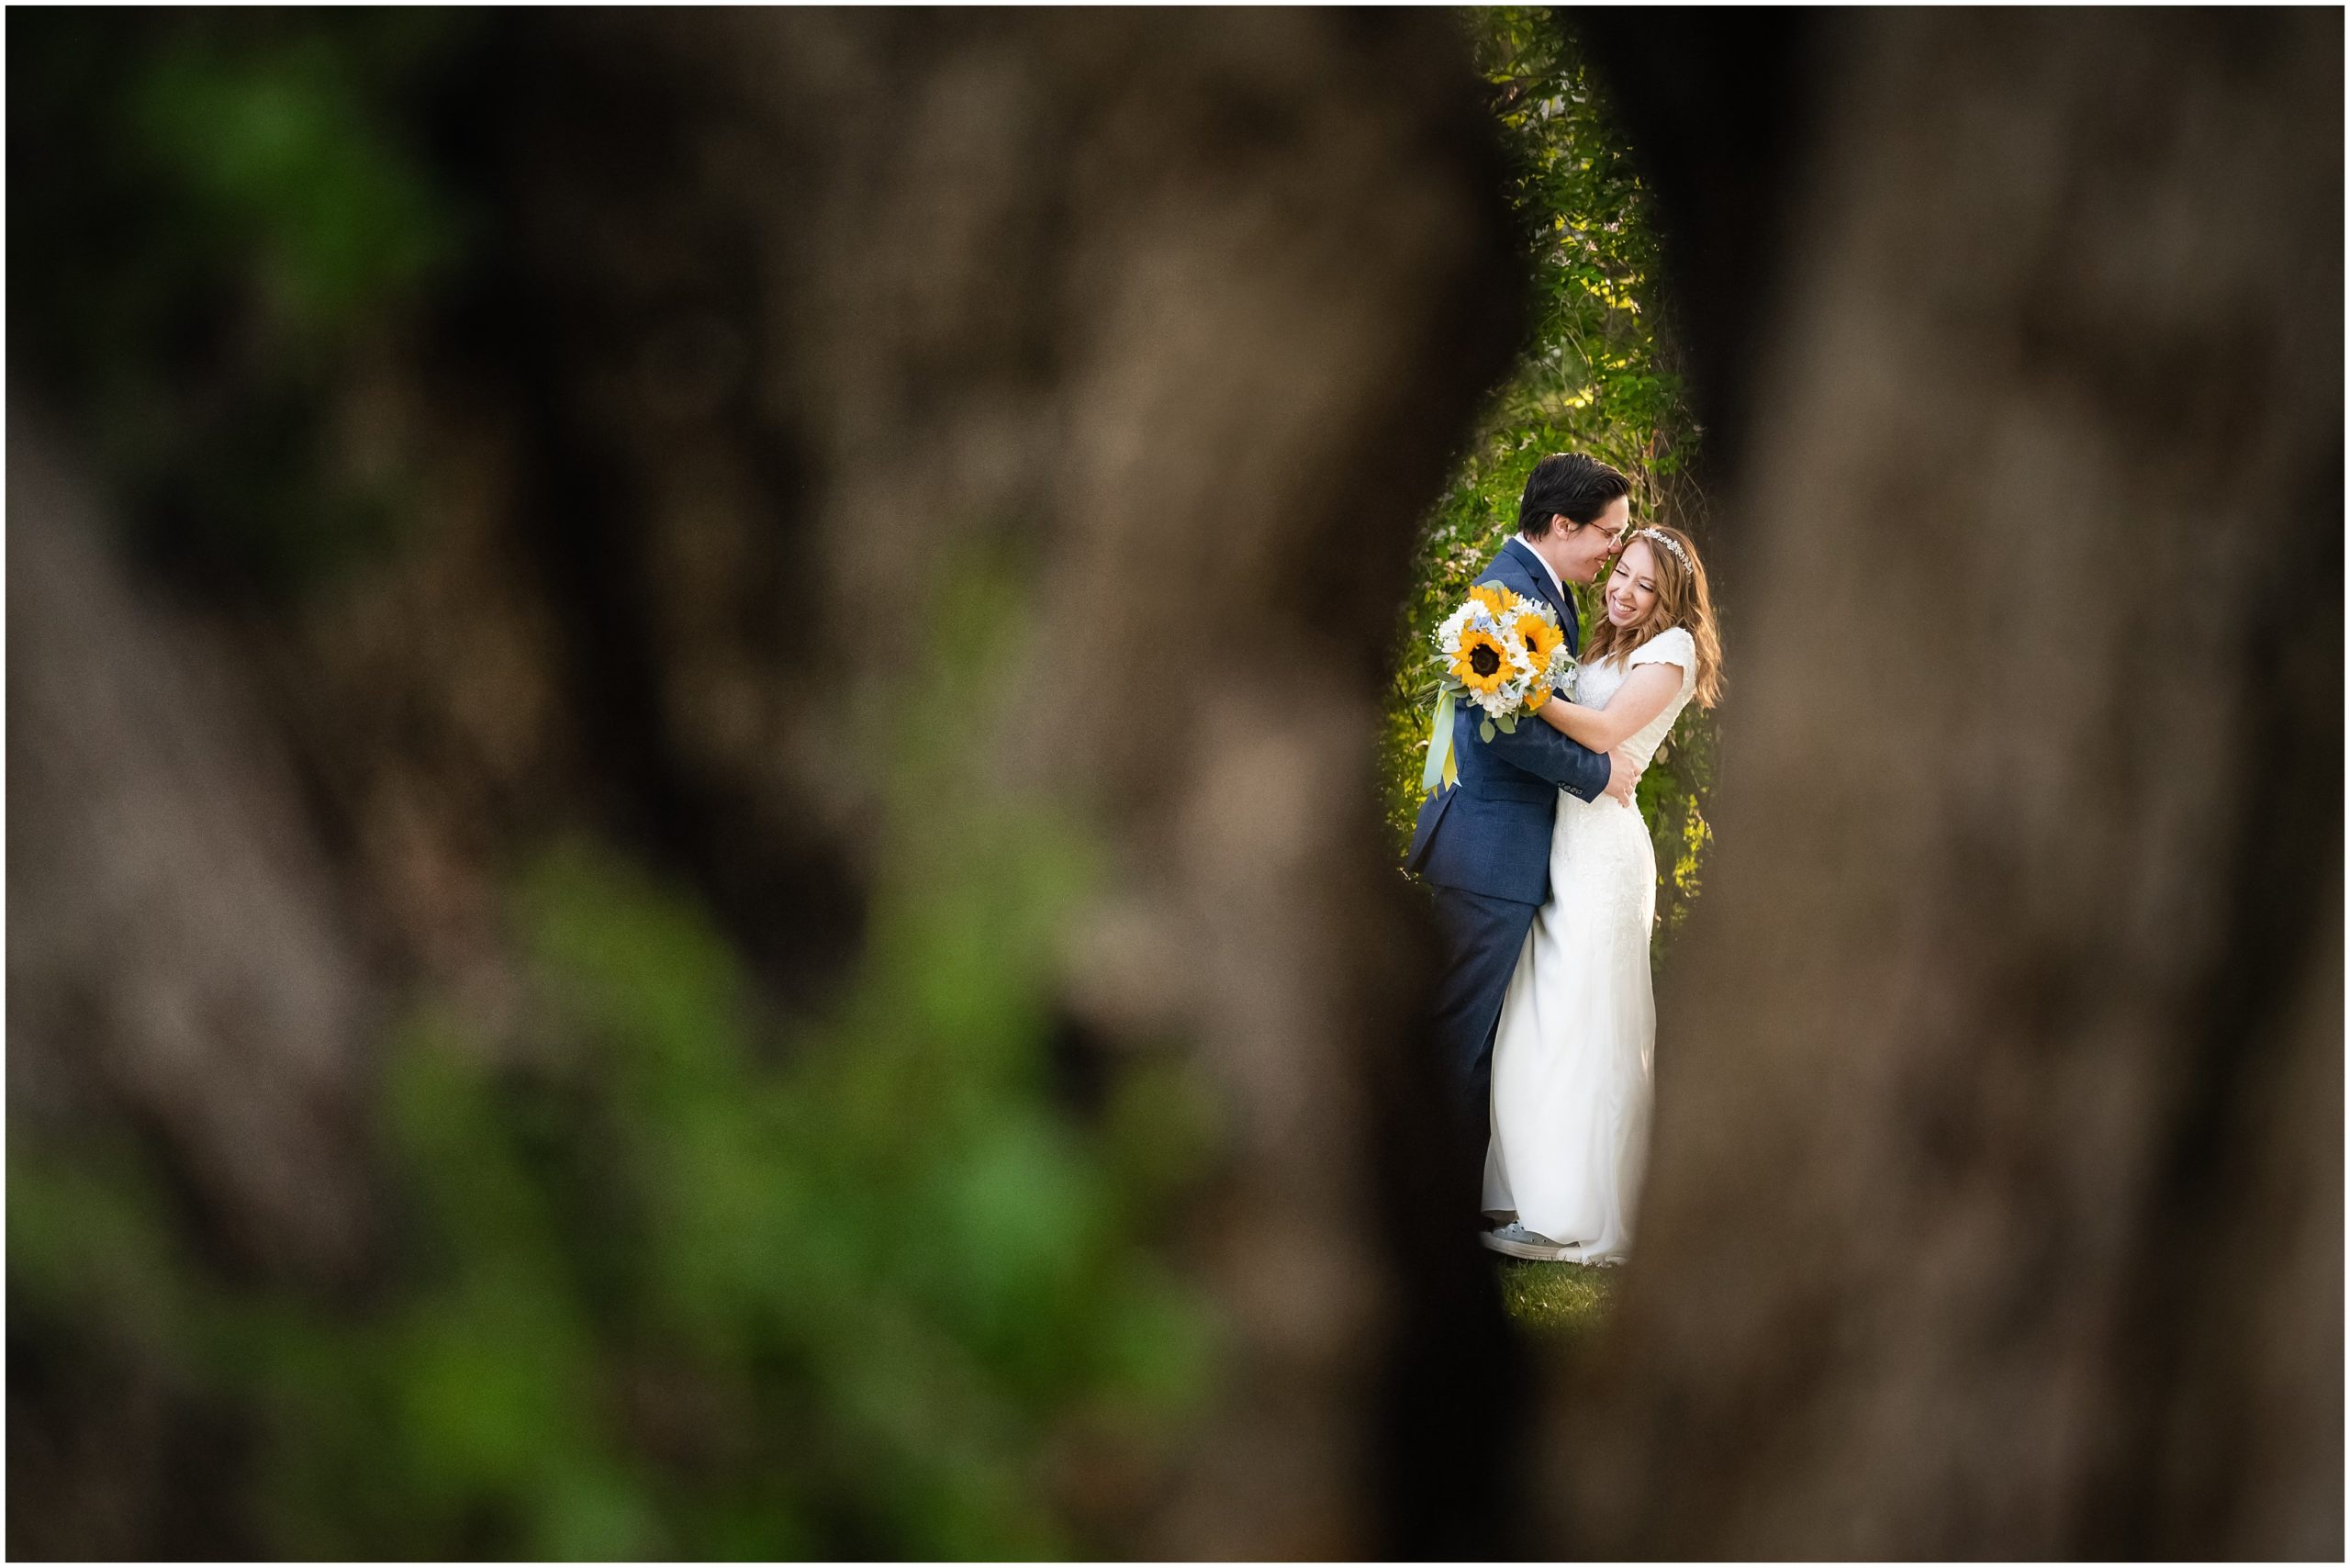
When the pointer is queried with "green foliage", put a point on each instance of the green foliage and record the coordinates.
(218, 215)
(279, 161)
(1597, 377)
(682, 1279)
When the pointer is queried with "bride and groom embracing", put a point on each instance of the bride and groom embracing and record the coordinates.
(1543, 1021)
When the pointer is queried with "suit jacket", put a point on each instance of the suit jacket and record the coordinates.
(1490, 834)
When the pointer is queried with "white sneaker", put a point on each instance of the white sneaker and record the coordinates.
(1518, 1241)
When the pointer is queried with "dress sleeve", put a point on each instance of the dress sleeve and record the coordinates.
(1672, 647)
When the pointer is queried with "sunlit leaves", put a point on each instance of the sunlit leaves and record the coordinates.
(1596, 375)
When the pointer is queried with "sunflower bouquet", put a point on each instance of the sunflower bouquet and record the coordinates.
(1501, 652)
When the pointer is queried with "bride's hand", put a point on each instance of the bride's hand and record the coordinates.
(1623, 776)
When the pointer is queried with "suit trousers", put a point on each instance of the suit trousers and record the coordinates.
(1480, 939)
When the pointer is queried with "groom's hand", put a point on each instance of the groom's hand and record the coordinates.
(1623, 776)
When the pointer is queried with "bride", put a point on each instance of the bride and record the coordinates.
(1572, 1056)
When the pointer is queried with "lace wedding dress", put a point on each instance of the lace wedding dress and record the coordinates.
(1573, 1058)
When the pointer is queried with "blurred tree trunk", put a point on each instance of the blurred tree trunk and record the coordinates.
(180, 976)
(1996, 1203)
(791, 325)
(1178, 315)
(173, 945)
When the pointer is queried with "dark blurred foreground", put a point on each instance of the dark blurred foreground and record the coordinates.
(693, 860)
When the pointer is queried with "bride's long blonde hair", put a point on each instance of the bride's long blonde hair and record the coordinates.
(1682, 599)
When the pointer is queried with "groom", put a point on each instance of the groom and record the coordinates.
(1484, 843)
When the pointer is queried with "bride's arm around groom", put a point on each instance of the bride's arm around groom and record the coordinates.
(1637, 701)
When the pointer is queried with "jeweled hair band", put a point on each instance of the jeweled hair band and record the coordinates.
(1666, 540)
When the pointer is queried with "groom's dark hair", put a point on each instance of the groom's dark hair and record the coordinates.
(1567, 483)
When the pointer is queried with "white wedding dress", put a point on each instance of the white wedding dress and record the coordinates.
(1573, 1058)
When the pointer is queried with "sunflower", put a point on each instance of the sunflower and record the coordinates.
(1494, 597)
(1540, 638)
(1483, 665)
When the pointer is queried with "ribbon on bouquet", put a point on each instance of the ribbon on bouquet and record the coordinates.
(1439, 769)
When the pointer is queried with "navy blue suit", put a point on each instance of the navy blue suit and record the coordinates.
(1485, 846)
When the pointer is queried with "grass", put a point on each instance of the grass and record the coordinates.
(1565, 1301)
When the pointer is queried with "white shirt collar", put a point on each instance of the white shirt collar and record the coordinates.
(1557, 587)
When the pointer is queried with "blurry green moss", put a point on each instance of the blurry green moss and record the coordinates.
(87, 1237)
(1564, 1304)
(219, 221)
(686, 1286)
(286, 168)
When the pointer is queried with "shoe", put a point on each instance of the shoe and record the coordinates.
(1516, 1242)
